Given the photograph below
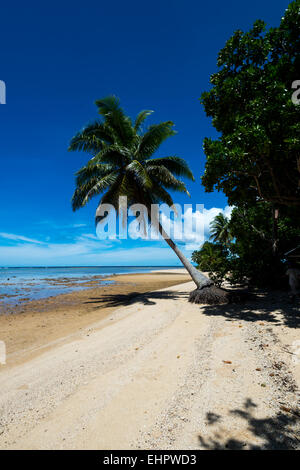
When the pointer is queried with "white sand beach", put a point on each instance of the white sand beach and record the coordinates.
(160, 373)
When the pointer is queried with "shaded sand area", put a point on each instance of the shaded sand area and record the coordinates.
(160, 373)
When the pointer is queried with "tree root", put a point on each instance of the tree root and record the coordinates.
(215, 295)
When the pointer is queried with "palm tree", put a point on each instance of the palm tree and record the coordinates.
(122, 164)
(220, 230)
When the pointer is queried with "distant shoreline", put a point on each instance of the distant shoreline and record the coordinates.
(23, 284)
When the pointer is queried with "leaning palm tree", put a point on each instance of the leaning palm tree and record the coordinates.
(122, 164)
(220, 230)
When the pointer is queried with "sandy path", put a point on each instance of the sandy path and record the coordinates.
(154, 377)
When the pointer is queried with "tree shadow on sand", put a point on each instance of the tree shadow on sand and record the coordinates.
(146, 298)
(278, 432)
(272, 307)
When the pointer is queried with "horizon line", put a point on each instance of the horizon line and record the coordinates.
(96, 266)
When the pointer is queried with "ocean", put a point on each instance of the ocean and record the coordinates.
(19, 285)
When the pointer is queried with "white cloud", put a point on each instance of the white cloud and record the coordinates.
(189, 229)
(88, 249)
(57, 226)
(19, 238)
(82, 254)
(87, 236)
(193, 238)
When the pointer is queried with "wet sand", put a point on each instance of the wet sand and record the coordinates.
(34, 327)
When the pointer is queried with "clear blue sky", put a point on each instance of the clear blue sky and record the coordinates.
(56, 59)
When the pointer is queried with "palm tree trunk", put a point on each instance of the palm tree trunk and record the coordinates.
(206, 292)
(198, 277)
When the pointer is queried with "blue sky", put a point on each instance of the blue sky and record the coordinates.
(56, 60)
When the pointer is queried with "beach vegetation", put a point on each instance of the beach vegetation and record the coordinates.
(256, 155)
(249, 257)
(255, 159)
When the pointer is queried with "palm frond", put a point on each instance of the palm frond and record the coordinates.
(93, 170)
(111, 197)
(113, 155)
(178, 166)
(115, 117)
(92, 138)
(108, 104)
(95, 186)
(140, 174)
(220, 229)
(153, 138)
(141, 117)
(165, 178)
(81, 192)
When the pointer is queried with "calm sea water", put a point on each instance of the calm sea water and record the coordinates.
(22, 284)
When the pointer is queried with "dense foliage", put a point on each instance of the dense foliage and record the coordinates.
(257, 156)
(249, 256)
(255, 160)
(220, 230)
(213, 258)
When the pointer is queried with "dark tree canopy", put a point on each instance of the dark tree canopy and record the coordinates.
(248, 256)
(257, 156)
